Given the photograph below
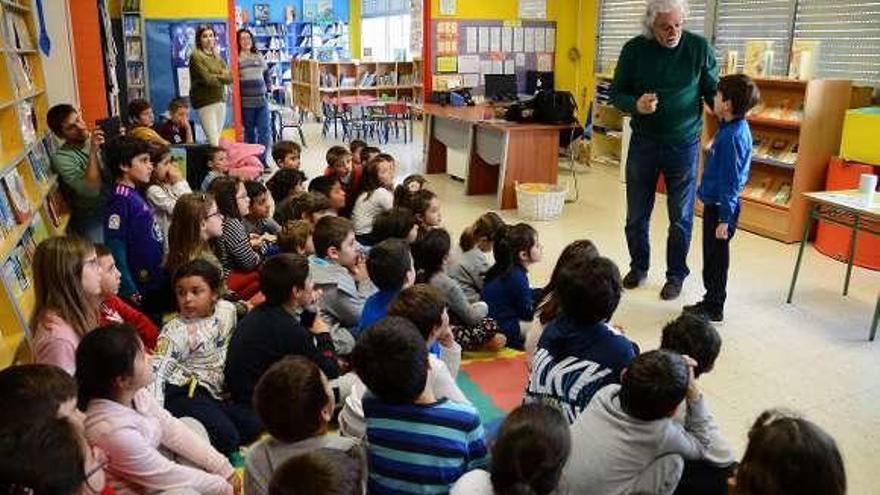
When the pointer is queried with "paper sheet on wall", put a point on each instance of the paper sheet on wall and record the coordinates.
(471, 40)
(517, 39)
(545, 62)
(495, 39)
(447, 64)
(529, 40)
(484, 39)
(471, 80)
(520, 59)
(447, 7)
(509, 66)
(539, 40)
(468, 63)
(507, 39)
(532, 9)
(183, 80)
(485, 67)
(550, 39)
(497, 67)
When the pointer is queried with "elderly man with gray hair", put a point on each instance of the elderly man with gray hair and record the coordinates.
(662, 78)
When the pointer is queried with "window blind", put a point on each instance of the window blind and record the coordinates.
(737, 21)
(848, 32)
(620, 20)
(382, 8)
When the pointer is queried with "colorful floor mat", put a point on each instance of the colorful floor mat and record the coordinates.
(494, 382)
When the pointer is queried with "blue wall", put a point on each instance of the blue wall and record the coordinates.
(276, 9)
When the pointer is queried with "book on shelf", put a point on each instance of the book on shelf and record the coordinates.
(16, 32)
(131, 25)
(13, 274)
(135, 73)
(131, 5)
(804, 59)
(783, 193)
(13, 185)
(133, 49)
(28, 121)
(56, 206)
(758, 187)
(7, 217)
(39, 163)
(23, 75)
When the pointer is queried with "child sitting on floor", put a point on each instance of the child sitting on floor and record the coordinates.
(472, 265)
(339, 165)
(218, 166)
(296, 237)
(340, 271)
(310, 206)
(506, 290)
(124, 420)
(414, 439)
(398, 223)
(375, 198)
(626, 440)
(390, 266)
(472, 329)
(286, 155)
(190, 356)
(285, 184)
(588, 291)
(167, 185)
(331, 187)
(114, 309)
(239, 253)
(295, 404)
(321, 472)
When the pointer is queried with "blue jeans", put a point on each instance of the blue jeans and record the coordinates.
(256, 127)
(678, 162)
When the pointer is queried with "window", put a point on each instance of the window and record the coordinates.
(620, 20)
(385, 29)
(737, 21)
(848, 32)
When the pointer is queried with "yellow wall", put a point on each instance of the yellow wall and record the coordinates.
(576, 22)
(181, 9)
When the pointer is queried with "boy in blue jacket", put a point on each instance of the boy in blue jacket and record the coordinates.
(724, 176)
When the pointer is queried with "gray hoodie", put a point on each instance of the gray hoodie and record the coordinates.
(615, 454)
(342, 302)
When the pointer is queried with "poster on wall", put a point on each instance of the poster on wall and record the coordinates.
(318, 10)
(183, 42)
(416, 27)
(532, 9)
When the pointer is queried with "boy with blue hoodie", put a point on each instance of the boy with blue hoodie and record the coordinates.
(724, 176)
(579, 352)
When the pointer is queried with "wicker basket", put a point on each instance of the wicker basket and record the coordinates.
(540, 201)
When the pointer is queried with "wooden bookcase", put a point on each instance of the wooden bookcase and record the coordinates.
(607, 126)
(29, 211)
(796, 130)
(313, 81)
(135, 50)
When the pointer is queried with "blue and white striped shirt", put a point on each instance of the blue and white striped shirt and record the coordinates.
(421, 449)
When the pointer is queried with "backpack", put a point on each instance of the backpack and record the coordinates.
(555, 107)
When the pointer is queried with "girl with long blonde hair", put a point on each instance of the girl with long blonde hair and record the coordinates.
(67, 285)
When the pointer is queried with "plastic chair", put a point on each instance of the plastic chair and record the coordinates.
(290, 120)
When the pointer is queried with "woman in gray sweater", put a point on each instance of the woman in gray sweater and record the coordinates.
(254, 81)
(472, 329)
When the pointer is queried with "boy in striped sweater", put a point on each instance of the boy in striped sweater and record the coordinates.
(415, 443)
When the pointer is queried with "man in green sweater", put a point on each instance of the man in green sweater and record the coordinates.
(78, 165)
(662, 78)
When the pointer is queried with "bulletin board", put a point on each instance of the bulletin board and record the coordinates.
(474, 48)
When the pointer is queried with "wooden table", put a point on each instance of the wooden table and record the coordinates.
(847, 209)
(499, 153)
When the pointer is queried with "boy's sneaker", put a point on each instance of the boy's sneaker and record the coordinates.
(633, 279)
(703, 310)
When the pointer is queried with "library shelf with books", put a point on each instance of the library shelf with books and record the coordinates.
(796, 129)
(28, 187)
(134, 54)
(315, 81)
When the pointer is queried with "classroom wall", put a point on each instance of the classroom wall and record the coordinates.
(91, 83)
(59, 65)
(576, 22)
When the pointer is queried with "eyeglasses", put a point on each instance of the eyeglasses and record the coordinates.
(215, 214)
(93, 262)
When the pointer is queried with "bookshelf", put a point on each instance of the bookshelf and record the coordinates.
(133, 37)
(796, 129)
(31, 207)
(606, 140)
(313, 81)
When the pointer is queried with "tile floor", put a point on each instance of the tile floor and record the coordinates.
(811, 356)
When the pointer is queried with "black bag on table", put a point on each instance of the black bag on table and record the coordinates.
(554, 107)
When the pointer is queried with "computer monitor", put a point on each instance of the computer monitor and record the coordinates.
(532, 78)
(501, 87)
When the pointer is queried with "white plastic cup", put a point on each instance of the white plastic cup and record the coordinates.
(868, 187)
